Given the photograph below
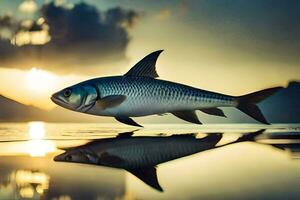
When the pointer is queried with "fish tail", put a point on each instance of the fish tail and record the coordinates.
(247, 103)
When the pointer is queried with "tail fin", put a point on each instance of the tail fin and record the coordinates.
(246, 103)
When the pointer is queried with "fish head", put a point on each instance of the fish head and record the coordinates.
(76, 156)
(80, 97)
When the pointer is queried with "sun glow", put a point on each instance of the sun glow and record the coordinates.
(37, 146)
(40, 81)
(34, 86)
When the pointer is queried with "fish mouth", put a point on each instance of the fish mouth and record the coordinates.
(55, 99)
(59, 158)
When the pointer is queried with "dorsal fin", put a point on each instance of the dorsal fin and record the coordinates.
(148, 175)
(146, 66)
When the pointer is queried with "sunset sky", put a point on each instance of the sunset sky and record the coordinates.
(228, 46)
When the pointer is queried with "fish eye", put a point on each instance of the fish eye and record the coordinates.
(69, 158)
(67, 93)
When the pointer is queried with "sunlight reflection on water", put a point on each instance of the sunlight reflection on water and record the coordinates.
(36, 130)
(30, 182)
(37, 147)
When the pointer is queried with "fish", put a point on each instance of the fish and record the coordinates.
(140, 155)
(139, 92)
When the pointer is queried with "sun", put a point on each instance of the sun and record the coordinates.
(40, 81)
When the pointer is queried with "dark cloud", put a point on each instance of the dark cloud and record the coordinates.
(81, 36)
(270, 27)
(6, 21)
(118, 17)
(273, 19)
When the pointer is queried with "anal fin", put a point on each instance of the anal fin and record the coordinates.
(127, 120)
(187, 115)
(213, 111)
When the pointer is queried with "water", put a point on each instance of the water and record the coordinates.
(268, 168)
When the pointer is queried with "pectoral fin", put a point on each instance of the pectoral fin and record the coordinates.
(213, 111)
(188, 115)
(110, 101)
(148, 175)
(127, 120)
(107, 158)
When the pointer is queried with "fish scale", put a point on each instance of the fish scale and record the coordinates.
(146, 96)
(142, 152)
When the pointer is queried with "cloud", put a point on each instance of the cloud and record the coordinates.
(183, 6)
(180, 9)
(6, 21)
(28, 6)
(268, 29)
(65, 39)
(163, 14)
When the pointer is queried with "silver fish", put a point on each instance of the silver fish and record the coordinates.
(140, 93)
(141, 155)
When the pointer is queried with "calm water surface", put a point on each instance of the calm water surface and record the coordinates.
(267, 168)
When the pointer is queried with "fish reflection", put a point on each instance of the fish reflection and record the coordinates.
(286, 141)
(140, 155)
